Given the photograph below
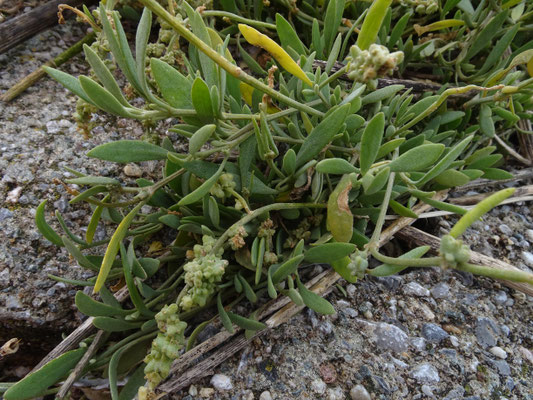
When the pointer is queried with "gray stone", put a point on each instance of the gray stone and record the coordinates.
(498, 352)
(425, 373)
(5, 214)
(318, 386)
(528, 258)
(502, 367)
(500, 297)
(336, 393)
(434, 333)
(415, 289)
(486, 332)
(505, 230)
(440, 291)
(390, 337)
(359, 392)
(529, 235)
(457, 393)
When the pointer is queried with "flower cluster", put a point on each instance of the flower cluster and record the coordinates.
(422, 7)
(365, 65)
(224, 187)
(358, 264)
(166, 346)
(453, 251)
(202, 274)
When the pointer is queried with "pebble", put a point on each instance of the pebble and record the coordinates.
(350, 312)
(434, 333)
(13, 195)
(427, 390)
(528, 258)
(440, 291)
(265, 395)
(193, 391)
(527, 354)
(498, 352)
(505, 230)
(419, 343)
(415, 289)
(318, 386)
(486, 332)
(133, 170)
(390, 337)
(359, 392)
(221, 382)
(207, 392)
(500, 297)
(350, 289)
(5, 214)
(336, 393)
(529, 235)
(425, 373)
(53, 127)
(503, 368)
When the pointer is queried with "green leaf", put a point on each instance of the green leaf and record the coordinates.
(109, 324)
(104, 75)
(45, 229)
(34, 384)
(388, 147)
(398, 29)
(314, 301)
(88, 193)
(224, 317)
(376, 183)
(203, 189)
(337, 166)
(328, 252)
(125, 151)
(417, 159)
(341, 267)
(372, 23)
(401, 210)
(484, 38)
(200, 137)
(288, 36)
(88, 306)
(289, 162)
(68, 81)
(497, 174)
(322, 134)
(452, 178)
(102, 98)
(247, 151)
(288, 267)
(486, 123)
(94, 180)
(201, 100)
(381, 94)
(78, 255)
(246, 323)
(371, 141)
(128, 259)
(248, 291)
(135, 381)
(485, 162)
(175, 88)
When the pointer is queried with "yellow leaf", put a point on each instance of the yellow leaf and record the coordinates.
(339, 220)
(256, 38)
(247, 91)
(436, 26)
(530, 67)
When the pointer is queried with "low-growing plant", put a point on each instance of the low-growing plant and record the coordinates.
(293, 159)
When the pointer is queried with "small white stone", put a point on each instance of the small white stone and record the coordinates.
(221, 382)
(318, 386)
(207, 392)
(132, 170)
(529, 235)
(265, 395)
(415, 289)
(359, 392)
(13, 196)
(528, 258)
(193, 391)
(498, 352)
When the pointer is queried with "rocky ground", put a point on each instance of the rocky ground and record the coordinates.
(422, 335)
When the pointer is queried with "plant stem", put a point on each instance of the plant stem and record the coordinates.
(238, 18)
(223, 62)
(382, 213)
(406, 262)
(495, 273)
(256, 213)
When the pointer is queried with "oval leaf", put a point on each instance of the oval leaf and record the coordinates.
(125, 151)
